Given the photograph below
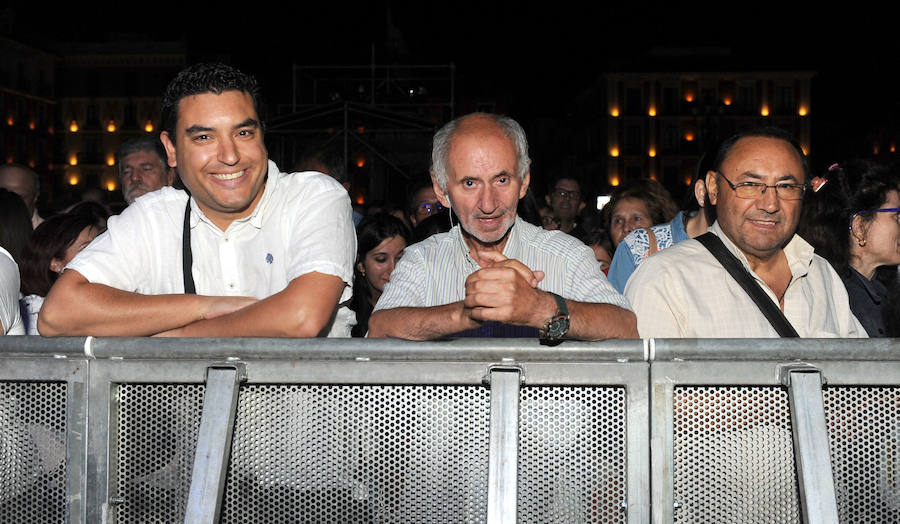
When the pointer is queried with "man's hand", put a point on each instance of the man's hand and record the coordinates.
(506, 291)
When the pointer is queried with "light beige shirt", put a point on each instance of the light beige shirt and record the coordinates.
(684, 292)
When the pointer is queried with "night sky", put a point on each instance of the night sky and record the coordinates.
(533, 60)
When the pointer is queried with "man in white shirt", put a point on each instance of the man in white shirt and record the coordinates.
(269, 254)
(757, 184)
(494, 267)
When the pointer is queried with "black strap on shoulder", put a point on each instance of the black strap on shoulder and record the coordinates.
(738, 272)
(187, 258)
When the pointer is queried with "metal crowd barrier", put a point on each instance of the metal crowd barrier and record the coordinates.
(264, 430)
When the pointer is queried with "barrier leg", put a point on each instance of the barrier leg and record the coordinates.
(811, 450)
(504, 445)
(213, 444)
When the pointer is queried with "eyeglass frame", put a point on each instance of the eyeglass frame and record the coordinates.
(734, 187)
(865, 211)
(568, 195)
(427, 206)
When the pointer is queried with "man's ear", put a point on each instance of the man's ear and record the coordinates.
(581, 206)
(712, 187)
(170, 148)
(525, 181)
(443, 196)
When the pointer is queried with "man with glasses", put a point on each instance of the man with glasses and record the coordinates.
(757, 183)
(423, 203)
(565, 199)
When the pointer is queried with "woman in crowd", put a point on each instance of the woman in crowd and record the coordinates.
(642, 203)
(52, 245)
(381, 240)
(852, 218)
(692, 221)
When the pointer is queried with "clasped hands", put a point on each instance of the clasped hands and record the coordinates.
(506, 291)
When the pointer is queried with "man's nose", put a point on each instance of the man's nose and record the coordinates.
(488, 199)
(228, 153)
(769, 201)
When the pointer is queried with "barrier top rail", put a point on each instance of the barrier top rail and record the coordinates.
(521, 350)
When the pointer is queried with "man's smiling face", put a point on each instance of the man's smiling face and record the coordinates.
(219, 153)
(761, 226)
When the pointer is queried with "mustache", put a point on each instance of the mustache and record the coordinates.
(495, 214)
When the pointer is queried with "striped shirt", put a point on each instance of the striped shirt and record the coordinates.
(434, 271)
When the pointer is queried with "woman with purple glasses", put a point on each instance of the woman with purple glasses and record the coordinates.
(852, 218)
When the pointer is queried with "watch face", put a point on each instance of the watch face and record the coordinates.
(558, 327)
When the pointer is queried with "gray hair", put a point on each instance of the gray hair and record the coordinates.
(440, 149)
(144, 143)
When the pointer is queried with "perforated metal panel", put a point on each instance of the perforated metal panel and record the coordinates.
(733, 455)
(32, 452)
(864, 433)
(359, 454)
(572, 454)
(155, 445)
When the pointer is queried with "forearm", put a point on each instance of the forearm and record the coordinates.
(301, 310)
(77, 307)
(426, 323)
(591, 321)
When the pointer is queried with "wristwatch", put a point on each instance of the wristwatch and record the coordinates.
(556, 327)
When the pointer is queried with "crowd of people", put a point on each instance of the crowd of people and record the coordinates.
(760, 248)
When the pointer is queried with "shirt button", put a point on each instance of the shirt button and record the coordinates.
(231, 285)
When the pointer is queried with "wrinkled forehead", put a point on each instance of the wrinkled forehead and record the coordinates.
(482, 147)
(763, 156)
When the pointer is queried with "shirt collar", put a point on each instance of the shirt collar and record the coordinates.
(799, 252)
(876, 290)
(255, 218)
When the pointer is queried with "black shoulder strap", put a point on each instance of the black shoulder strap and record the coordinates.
(187, 258)
(737, 271)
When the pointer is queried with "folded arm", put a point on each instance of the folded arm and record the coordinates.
(75, 306)
(420, 323)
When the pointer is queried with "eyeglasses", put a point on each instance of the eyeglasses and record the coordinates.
(562, 193)
(752, 190)
(882, 210)
(431, 207)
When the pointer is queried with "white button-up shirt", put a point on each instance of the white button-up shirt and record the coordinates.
(684, 292)
(301, 224)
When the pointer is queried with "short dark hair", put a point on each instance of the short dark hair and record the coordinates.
(417, 185)
(143, 143)
(761, 132)
(326, 158)
(207, 77)
(552, 185)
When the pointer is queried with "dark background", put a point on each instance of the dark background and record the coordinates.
(534, 61)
